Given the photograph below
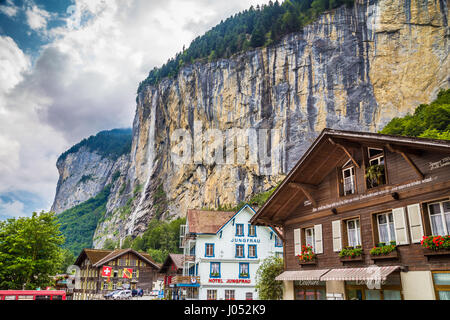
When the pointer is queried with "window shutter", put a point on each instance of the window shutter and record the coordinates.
(337, 237)
(401, 233)
(318, 245)
(415, 223)
(297, 242)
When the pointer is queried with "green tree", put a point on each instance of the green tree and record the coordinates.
(30, 251)
(109, 244)
(68, 259)
(428, 121)
(266, 285)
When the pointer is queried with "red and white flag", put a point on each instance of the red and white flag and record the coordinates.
(106, 272)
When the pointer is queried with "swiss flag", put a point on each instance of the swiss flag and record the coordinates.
(106, 272)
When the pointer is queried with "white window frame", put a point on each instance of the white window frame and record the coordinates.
(441, 214)
(357, 227)
(390, 236)
(352, 176)
(375, 157)
(313, 240)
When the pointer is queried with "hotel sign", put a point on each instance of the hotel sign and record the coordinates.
(229, 281)
(245, 240)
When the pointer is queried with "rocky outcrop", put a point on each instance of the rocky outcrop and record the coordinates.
(354, 69)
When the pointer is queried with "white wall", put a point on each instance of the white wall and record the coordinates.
(224, 252)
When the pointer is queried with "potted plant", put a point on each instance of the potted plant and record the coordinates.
(215, 274)
(244, 275)
(375, 175)
(307, 255)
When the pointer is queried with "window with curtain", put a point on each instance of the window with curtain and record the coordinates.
(440, 218)
(215, 270)
(239, 251)
(386, 229)
(353, 232)
(211, 294)
(229, 295)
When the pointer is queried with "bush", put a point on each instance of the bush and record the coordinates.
(266, 285)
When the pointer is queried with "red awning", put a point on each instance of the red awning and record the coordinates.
(302, 275)
(356, 274)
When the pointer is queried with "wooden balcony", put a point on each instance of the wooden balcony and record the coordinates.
(186, 279)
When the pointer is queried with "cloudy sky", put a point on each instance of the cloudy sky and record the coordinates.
(70, 68)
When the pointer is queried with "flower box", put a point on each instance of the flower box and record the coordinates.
(350, 258)
(439, 252)
(390, 255)
(313, 261)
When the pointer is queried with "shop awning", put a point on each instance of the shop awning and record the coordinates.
(356, 274)
(302, 275)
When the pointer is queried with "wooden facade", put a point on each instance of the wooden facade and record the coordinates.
(328, 195)
(92, 285)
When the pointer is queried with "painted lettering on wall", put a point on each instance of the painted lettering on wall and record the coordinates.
(439, 164)
(245, 240)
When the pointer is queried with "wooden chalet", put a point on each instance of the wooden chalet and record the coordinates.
(92, 285)
(362, 203)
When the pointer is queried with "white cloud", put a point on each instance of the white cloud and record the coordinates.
(36, 17)
(10, 9)
(85, 79)
(13, 209)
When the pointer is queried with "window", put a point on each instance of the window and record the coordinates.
(209, 250)
(375, 173)
(348, 175)
(249, 296)
(116, 272)
(309, 237)
(251, 231)
(353, 232)
(239, 230)
(133, 263)
(121, 262)
(441, 281)
(239, 251)
(244, 270)
(440, 218)
(105, 285)
(303, 292)
(386, 229)
(229, 294)
(252, 251)
(278, 242)
(214, 270)
(211, 294)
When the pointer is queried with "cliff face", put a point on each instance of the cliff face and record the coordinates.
(352, 69)
(83, 174)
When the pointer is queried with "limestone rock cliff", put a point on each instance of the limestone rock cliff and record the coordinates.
(354, 69)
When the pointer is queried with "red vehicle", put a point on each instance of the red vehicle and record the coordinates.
(32, 295)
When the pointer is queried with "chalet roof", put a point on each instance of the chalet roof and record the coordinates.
(93, 255)
(329, 149)
(209, 222)
(119, 252)
(175, 258)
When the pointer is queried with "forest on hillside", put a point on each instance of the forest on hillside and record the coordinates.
(108, 144)
(428, 120)
(252, 28)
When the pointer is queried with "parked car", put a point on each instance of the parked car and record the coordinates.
(122, 294)
(110, 294)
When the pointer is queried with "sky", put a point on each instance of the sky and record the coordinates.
(71, 68)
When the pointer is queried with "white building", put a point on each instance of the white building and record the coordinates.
(225, 251)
